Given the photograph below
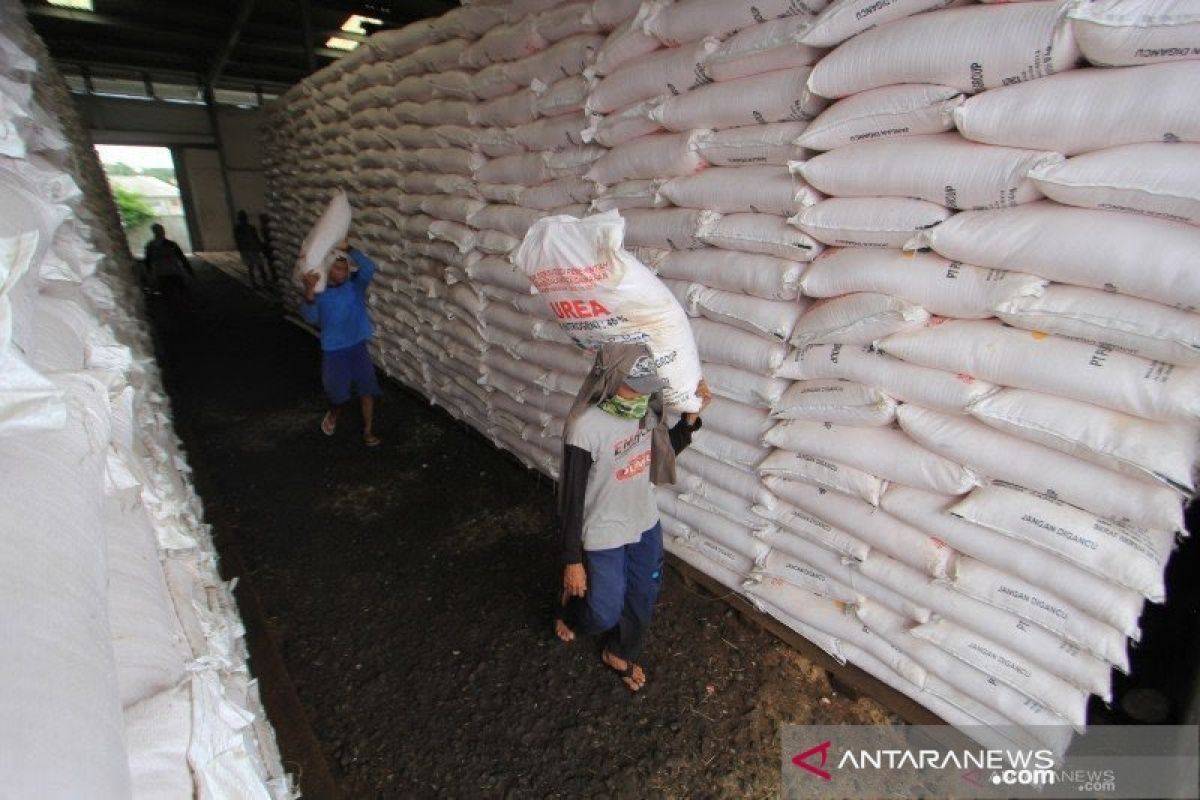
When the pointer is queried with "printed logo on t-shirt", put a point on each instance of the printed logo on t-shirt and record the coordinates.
(636, 466)
(623, 446)
(632, 454)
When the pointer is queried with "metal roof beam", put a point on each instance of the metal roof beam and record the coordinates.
(222, 58)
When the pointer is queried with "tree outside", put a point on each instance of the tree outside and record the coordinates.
(134, 209)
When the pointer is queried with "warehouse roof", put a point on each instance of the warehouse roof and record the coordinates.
(230, 44)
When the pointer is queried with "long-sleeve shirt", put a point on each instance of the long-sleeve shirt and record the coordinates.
(164, 259)
(605, 480)
(341, 311)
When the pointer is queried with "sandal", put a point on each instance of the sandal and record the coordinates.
(328, 424)
(371, 440)
(626, 675)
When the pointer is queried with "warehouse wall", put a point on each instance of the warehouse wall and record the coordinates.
(210, 194)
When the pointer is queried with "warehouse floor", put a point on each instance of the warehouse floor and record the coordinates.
(409, 590)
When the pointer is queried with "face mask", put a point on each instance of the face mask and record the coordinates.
(627, 407)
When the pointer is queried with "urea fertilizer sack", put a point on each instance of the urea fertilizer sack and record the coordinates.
(1034, 360)
(771, 319)
(1099, 597)
(971, 49)
(764, 47)
(622, 126)
(1034, 603)
(1114, 33)
(670, 71)
(1155, 179)
(878, 529)
(779, 96)
(823, 473)
(845, 18)
(666, 228)
(770, 143)
(327, 232)
(765, 234)
(1089, 109)
(678, 23)
(1134, 326)
(641, 193)
(626, 43)
(737, 420)
(792, 523)
(1008, 667)
(653, 156)
(1044, 649)
(941, 168)
(857, 319)
(835, 619)
(762, 276)
(726, 344)
(757, 390)
(779, 565)
(940, 286)
(885, 452)
(883, 222)
(1161, 451)
(600, 293)
(743, 483)
(729, 190)
(839, 402)
(1110, 250)
(730, 450)
(946, 391)
(998, 456)
(1131, 556)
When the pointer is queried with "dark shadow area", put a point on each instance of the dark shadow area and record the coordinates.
(409, 590)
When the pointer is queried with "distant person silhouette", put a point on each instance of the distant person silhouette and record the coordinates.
(167, 268)
(250, 247)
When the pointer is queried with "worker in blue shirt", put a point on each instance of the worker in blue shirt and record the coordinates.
(341, 313)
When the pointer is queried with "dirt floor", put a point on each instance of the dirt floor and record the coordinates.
(410, 587)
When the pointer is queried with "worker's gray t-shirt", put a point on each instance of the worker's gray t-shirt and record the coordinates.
(619, 505)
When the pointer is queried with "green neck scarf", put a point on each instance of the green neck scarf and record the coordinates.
(626, 407)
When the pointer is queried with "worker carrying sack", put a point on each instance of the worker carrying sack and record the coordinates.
(600, 293)
(330, 230)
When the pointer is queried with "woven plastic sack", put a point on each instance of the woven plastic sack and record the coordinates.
(758, 275)
(600, 293)
(940, 286)
(941, 168)
(329, 230)
(1117, 33)
(839, 402)
(857, 319)
(846, 18)
(970, 49)
(1134, 326)
(883, 222)
(729, 190)
(886, 112)
(1089, 109)
(780, 96)
(671, 71)
(1117, 252)
(1034, 360)
(766, 47)
(1001, 457)
(772, 143)
(1157, 180)
(654, 156)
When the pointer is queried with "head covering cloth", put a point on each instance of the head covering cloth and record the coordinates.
(609, 370)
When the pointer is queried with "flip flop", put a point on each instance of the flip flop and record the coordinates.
(626, 674)
(328, 424)
(372, 440)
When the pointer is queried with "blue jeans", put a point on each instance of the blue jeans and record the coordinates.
(622, 585)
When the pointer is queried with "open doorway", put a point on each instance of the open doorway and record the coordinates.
(146, 190)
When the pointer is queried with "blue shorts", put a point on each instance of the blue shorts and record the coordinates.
(349, 366)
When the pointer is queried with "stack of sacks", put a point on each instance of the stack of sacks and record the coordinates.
(1078, 431)
(700, 104)
(123, 647)
(860, 397)
(451, 137)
